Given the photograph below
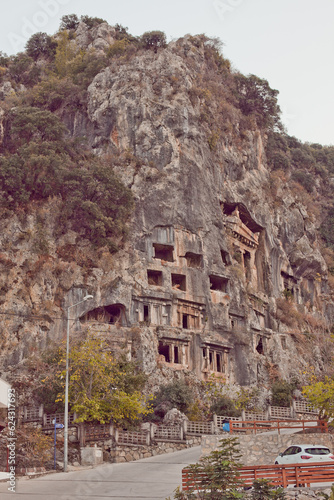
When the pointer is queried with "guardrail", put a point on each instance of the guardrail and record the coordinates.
(278, 475)
(269, 425)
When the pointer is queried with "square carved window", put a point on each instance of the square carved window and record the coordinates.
(154, 277)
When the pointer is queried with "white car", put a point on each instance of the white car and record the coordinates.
(304, 453)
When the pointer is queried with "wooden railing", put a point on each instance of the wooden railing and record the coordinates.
(278, 475)
(269, 425)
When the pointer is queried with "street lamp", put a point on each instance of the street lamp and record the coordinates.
(87, 297)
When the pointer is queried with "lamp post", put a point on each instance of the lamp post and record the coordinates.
(87, 297)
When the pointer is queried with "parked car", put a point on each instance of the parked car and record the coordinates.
(304, 453)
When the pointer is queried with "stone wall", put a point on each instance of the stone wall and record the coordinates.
(136, 452)
(262, 449)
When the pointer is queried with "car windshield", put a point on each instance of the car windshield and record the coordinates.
(317, 451)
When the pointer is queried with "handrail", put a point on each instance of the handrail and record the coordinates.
(256, 425)
(278, 475)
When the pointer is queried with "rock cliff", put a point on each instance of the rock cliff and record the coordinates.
(222, 272)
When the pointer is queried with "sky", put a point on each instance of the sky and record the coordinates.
(290, 43)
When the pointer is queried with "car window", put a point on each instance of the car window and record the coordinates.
(289, 451)
(317, 451)
(297, 449)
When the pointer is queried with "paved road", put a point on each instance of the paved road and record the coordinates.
(153, 478)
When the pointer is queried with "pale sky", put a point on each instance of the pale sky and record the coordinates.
(290, 43)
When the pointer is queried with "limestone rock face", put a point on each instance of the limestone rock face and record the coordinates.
(98, 38)
(215, 263)
(174, 416)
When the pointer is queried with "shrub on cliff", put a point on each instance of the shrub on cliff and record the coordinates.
(69, 22)
(92, 22)
(223, 405)
(37, 161)
(41, 45)
(154, 40)
(176, 394)
(281, 393)
(255, 97)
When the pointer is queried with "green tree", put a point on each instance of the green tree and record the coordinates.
(262, 490)
(304, 179)
(154, 40)
(327, 227)
(54, 93)
(91, 22)
(255, 97)
(223, 405)
(23, 70)
(321, 396)
(37, 161)
(66, 52)
(4, 59)
(176, 394)
(218, 473)
(69, 22)
(97, 203)
(281, 393)
(101, 387)
(41, 45)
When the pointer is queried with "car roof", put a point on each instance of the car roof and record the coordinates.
(309, 445)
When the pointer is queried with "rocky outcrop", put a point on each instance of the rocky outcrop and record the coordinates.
(213, 256)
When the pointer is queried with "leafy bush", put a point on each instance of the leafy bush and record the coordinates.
(85, 67)
(4, 59)
(223, 405)
(218, 474)
(91, 22)
(35, 447)
(177, 394)
(304, 179)
(75, 63)
(301, 158)
(38, 162)
(262, 490)
(117, 48)
(254, 96)
(281, 393)
(327, 227)
(23, 70)
(280, 161)
(54, 93)
(97, 203)
(153, 40)
(69, 22)
(41, 45)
